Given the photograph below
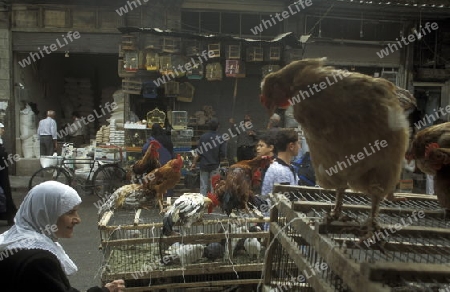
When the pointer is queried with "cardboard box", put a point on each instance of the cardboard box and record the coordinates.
(406, 185)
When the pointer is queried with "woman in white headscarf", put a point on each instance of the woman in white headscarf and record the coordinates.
(30, 256)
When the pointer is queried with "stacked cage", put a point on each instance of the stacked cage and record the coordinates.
(182, 139)
(311, 253)
(211, 253)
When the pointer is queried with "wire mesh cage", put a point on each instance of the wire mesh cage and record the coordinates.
(211, 253)
(186, 92)
(409, 252)
(172, 88)
(214, 71)
(255, 54)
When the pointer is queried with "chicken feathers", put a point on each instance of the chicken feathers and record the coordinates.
(431, 150)
(340, 121)
(187, 209)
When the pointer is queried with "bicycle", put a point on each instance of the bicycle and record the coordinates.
(104, 177)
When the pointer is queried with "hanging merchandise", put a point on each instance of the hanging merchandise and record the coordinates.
(171, 45)
(132, 85)
(215, 48)
(171, 88)
(180, 62)
(233, 52)
(152, 61)
(149, 90)
(266, 69)
(234, 68)
(165, 64)
(156, 116)
(131, 61)
(128, 56)
(196, 72)
(255, 54)
(193, 48)
(214, 71)
(186, 92)
(274, 54)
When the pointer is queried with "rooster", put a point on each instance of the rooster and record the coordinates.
(164, 178)
(235, 192)
(340, 119)
(187, 209)
(146, 164)
(431, 150)
(154, 184)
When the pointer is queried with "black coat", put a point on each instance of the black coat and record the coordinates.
(34, 270)
(11, 208)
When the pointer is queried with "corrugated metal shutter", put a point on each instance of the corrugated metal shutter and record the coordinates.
(86, 43)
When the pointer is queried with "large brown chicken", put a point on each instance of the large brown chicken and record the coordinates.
(235, 192)
(146, 164)
(164, 178)
(342, 114)
(431, 150)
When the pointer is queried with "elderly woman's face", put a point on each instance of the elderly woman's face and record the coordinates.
(66, 222)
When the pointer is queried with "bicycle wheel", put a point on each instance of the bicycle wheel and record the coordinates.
(49, 173)
(108, 178)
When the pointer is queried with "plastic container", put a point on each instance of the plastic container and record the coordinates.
(47, 161)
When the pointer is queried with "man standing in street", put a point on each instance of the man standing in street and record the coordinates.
(208, 154)
(246, 142)
(47, 134)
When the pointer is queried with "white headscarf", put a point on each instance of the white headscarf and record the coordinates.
(41, 208)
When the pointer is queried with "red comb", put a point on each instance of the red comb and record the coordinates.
(215, 179)
(155, 143)
(429, 148)
(214, 199)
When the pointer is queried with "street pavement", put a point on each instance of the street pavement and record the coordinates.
(83, 247)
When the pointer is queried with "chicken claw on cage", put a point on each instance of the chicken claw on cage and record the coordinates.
(335, 213)
(393, 198)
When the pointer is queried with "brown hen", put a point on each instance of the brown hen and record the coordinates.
(340, 120)
(431, 150)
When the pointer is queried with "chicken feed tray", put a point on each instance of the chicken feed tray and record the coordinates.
(216, 252)
(410, 251)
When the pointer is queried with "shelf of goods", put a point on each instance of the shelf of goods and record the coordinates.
(410, 252)
(136, 251)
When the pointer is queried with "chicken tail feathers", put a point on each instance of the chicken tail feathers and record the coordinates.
(226, 202)
(167, 225)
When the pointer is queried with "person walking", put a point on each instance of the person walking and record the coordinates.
(209, 152)
(7, 207)
(33, 259)
(246, 142)
(77, 130)
(47, 134)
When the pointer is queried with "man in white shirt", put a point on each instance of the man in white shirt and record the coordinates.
(47, 134)
(281, 170)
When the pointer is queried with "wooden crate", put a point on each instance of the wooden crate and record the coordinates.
(131, 85)
(413, 257)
